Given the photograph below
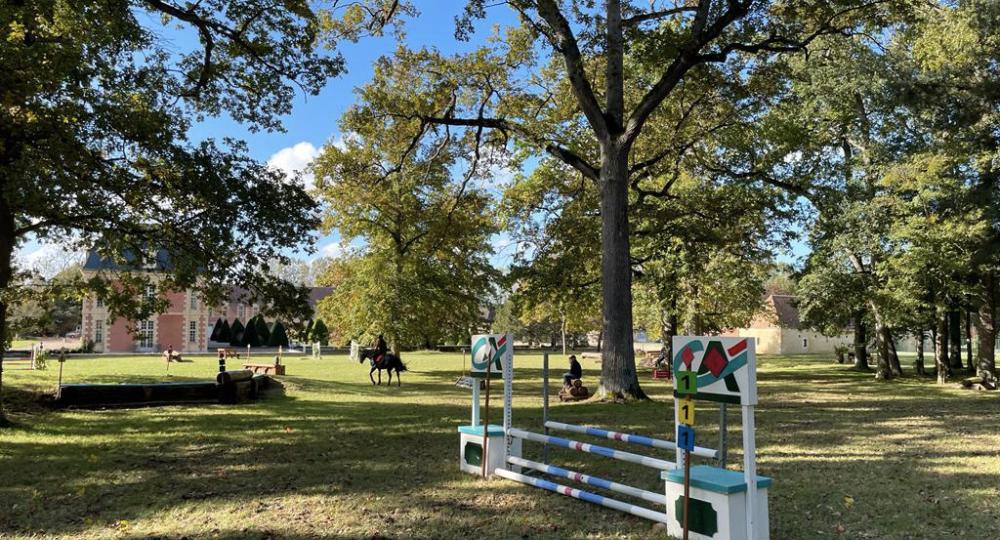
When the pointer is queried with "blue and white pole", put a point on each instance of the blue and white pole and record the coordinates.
(655, 498)
(594, 449)
(628, 438)
(584, 496)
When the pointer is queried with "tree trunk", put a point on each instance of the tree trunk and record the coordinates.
(894, 356)
(955, 339)
(6, 274)
(395, 302)
(562, 327)
(969, 365)
(986, 328)
(669, 329)
(883, 368)
(918, 365)
(860, 342)
(944, 341)
(941, 349)
(618, 373)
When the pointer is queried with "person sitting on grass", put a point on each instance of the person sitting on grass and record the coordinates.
(575, 371)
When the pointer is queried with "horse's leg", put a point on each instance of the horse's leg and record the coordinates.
(370, 376)
(399, 380)
(380, 376)
(389, 372)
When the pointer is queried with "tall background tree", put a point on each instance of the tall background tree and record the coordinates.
(418, 204)
(97, 102)
(583, 98)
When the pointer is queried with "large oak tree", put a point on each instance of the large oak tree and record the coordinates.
(96, 101)
(564, 84)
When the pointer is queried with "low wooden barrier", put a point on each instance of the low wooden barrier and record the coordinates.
(266, 369)
(110, 395)
(230, 387)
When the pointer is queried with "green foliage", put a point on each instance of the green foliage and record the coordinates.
(40, 360)
(216, 330)
(96, 104)
(263, 333)
(250, 337)
(319, 333)
(278, 336)
(424, 215)
(237, 334)
(225, 333)
(48, 307)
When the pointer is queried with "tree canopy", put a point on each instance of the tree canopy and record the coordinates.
(97, 103)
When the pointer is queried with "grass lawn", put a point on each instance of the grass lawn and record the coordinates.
(22, 343)
(337, 458)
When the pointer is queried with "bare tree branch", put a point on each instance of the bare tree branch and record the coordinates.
(569, 48)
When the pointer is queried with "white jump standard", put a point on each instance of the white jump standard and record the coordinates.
(719, 505)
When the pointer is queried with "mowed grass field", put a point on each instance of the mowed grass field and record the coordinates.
(335, 457)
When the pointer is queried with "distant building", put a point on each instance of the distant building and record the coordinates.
(186, 325)
(776, 329)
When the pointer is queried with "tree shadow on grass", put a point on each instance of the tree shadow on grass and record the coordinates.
(383, 461)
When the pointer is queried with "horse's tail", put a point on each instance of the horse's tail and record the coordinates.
(402, 366)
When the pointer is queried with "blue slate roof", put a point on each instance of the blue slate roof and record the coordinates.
(96, 262)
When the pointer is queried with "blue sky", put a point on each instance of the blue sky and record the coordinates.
(313, 121)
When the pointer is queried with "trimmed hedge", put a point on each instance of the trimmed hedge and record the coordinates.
(319, 332)
(216, 330)
(263, 334)
(236, 332)
(278, 335)
(250, 336)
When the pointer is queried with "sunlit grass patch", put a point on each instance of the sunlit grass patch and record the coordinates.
(335, 457)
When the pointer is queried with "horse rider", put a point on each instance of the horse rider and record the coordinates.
(380, 349)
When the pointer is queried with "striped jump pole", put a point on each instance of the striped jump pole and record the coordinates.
(628, 438)
(584, 495)
(594, 449)
(655, 498)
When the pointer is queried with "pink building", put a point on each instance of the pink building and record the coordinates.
(186, 324)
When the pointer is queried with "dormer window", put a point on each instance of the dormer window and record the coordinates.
(152, 260)
(150, 293)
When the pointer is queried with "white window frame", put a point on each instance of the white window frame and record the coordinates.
(193, 332)
(146, 335)
(98, 302)
(150, 292)
(193, 302)
(99, 331)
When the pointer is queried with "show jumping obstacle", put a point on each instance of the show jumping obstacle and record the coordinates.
(712, 501)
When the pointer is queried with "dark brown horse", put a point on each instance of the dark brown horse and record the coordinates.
(390, 362)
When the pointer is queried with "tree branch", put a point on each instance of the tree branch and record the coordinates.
(562, 153)
(635, 20)
(686, 59)
(570, 50)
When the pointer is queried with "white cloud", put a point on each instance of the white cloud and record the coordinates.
(333, 249)
(296, 158)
